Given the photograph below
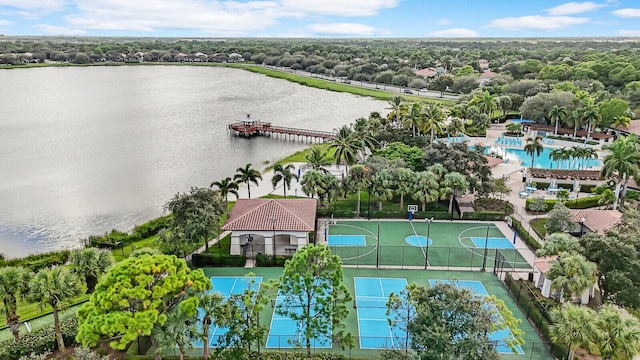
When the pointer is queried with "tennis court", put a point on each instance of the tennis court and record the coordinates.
(476, 287)
(371, 297)
(419, 243)
(285, 332)
(227, 286)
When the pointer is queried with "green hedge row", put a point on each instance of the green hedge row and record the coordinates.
(39, 341)
(217, 260)
(117, 238)
(385, 214)
(583, 188)
(264, 260)
(531, 242)
(38, 261)
(581, 203)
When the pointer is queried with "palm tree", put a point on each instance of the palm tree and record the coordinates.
(606, 198)
(359, 178)
(178, 331)
(588, 153)
(313, 184)
(14, 284)
(619, 333)
(485, 102)
(573, 326)
(210, 304)
(534, 148)
(432, 120)
(455, 127)
(557, 243)
(591, 114)
(405, 182)
(623, 161)
(91, 263)
(557, 115)
(556, 155)
(566, 155)
(455, 183)
(346, 146)
(226, 187)
(317, 159)
(504, 103)
(414, 116)
(621, 121)
(572, 274)
(398, 109)
(247, 175)
(54, 287)
(381, 186)
(284, 174)
(576, 120)
(426, 188)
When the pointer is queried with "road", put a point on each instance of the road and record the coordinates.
(389, 88)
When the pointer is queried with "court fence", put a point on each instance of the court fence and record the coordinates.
(431, 257)
(535, 310)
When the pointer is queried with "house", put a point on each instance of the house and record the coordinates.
(595, 220)
(268, 226)
(540, 268)
(483, 64)
(427, 73)
(486, 76)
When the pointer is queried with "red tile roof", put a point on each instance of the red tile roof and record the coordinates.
(544, 263)
(492, 161)
(255, 214)
(597, 220)
(562, 174)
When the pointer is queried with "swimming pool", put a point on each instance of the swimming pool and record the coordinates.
(541, 161)
(520, 121)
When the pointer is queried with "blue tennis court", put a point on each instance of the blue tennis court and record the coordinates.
(372, 294)
(476, 287)
(226, 286)
(285, 332)
(347, 240)
(493, 243)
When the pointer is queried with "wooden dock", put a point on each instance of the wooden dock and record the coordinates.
(250, 128)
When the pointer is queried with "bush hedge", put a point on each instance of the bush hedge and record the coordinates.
(39, 341)
(581, 203)
(38, 261)
(217, 260)
(150, 228)
(264, 260)
(531, 242)
(584, 188)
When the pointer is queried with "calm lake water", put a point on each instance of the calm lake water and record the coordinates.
(84, 150)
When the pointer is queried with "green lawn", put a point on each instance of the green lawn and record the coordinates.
(333, 86)
(538, 226)
(533, 347)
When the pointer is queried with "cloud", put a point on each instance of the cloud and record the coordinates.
(629, 32)
(58, 30)
(34, 5)
(350, 8)
(352, 29)
(574, 8)
(455, 32)
(444, 21)
(5, 22)
(627, 13)
(536, 22)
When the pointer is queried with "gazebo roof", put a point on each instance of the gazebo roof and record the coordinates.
(256, 214)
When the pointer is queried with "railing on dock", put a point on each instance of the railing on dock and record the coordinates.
(256, 128)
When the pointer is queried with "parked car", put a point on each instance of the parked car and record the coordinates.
(408, 91)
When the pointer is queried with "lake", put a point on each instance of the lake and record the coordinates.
(84, 150)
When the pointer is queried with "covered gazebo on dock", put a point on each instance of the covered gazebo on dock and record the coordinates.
(268, 226)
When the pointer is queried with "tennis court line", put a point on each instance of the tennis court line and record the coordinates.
(421, 247)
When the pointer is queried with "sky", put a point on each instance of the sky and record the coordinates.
(321, 18)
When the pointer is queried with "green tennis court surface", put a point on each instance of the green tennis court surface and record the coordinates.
(404, 243)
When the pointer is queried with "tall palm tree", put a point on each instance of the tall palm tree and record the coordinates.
(398, 109)
(486, 103)
(317, 159)
(571, 275)
(455, 184)
(622, 161)
(359, 178)
(382, 183)
(434, 115)
(504, 103)
(534, 148)
(590, 112)
(284, 174)
(226, 186)
(91, 263)
(557, 115)
(414, 116)
(211, 310)
(426, 188)
(14, 284)
(405, 182)
(346, 146)
(455, 127)
(178, 331)
(566, 156)
(573, 326)
(619, 333)
(576, 120)
(621, 121)
(54, 287)
(313, 184)
(247, 175)
(556, 155)
(588, 153)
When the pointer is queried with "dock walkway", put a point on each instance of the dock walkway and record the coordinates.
(250, 128)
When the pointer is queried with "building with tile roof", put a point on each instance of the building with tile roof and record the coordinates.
(540, 268)
(269, 226)
(596, 220)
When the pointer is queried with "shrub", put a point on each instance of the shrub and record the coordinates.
(39, 261)
(39, 341)
(531, 242)
(267, 260)
(150, 228)
(217, 260)
(580, 203)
